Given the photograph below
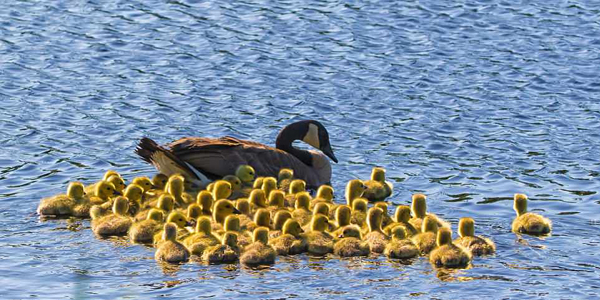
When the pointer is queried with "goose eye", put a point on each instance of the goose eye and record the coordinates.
(108, 189)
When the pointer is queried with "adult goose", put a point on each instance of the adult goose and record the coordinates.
(202, 159)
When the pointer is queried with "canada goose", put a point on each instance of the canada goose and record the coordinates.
(202, 160)
(527, 222)
(62, 205)
(350, 243)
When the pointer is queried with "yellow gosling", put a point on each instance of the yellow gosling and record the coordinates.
(269, 184)
(359, 212)
(284, 178)
(159, 181)
(280, 218)
(343, 213)
(169, 249)
(276, 201)
(350, 243)
(246, 174)
(63, 204)
(290, 241)
(144, 182)
(227, 252)
(205, 201)
(117, 182)
(324, 194)
(425, 240)
(176, 187)
(258, 182)
(386, 220)
(354, 189)
(377, 189)
(178, 219)
(319, 242)
(194, 211)
(134, 194)
(144, 231)
(259, 252)
(92, 187)
(301, 212)
(103, 192)
(419, 211)
(376, 238)
(232, 224)
(475, 244)
(222, 209)
(115, 224)
(400, 246)
(202, 238)
(527, 222)
(245, 215)
(296, 186)
(447, 254)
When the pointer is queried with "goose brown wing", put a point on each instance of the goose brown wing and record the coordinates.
(220, 157)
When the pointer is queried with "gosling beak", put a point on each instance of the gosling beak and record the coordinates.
(340, 236)
(115, 192)
(236, 211)
(329, 152)
(191, 223)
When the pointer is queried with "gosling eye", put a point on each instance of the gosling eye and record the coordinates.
(108, 189)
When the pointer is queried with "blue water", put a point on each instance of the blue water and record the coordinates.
(466, 101)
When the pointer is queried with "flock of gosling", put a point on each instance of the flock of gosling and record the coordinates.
(252, 220)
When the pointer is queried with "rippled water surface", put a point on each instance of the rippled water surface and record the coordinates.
(467, 101)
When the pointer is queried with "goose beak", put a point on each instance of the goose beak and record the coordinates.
(236, 211)
(329, 152)
(191, 223)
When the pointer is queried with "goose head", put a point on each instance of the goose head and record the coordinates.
(297, 186)
(165, 202)
(134, 193)
(194, 211)
(159, 181)
(321, 208)
(75, 190)
(269, 184)
(402, 213)
(144, 182)
(110, 173)
(246, 174)
(205, 200)
(243, 206)
(378, 174)
(262, 217)
(318, 223)
(222, 190)
(120, 206)
(325, 192)
(222, 209)
(309, 131)
(236, 183)
(354, 189)
(177, 218)
(285, 174)
(118, 182)
(104, 190)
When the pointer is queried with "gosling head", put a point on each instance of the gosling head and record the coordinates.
(354, 189)
(170, 232)
(262, 217)
(285, 174)
(429, 225)
(221, 190)
(159, 181)
(318, 223)
(134, 192)
(342, 215)
(419, 206)
(178, 218)
(118, 182)
(165, 202)
(276, 198)
(444, 237)
(257, 198)
(383, 206)
(398, 233)
(245, 173)
(374, 218)
(302, 200)
(269, 184)
(232, 223)
(144, 182)
(176, 185)
(520, 204)
(297, 186)
(258, 182)
(194, 211)
(222, 209)
(105, 190)
(350, 231)
(236, 183)
(230, 239)
(75, 190)
(378, 174)
(321, 208)
(203, 225)
(156, 215)
(360, 204)
(243, 206)
(402, 214)
(325, 192)
(110, 173)
(261, 234)
(120, 206)
(466, 227)
(280, 218)
(292, 227)
(205, 200)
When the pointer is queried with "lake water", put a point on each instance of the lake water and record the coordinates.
(466, 101)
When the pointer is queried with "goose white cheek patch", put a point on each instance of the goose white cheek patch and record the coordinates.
(312, 136)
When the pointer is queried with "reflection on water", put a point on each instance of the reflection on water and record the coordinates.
(468, 102)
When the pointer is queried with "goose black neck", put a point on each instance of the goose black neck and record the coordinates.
(288, 135)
